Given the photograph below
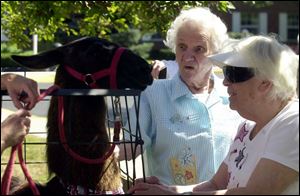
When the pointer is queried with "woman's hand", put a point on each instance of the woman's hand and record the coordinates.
(157, 66)
(14, 128)
(23, 91)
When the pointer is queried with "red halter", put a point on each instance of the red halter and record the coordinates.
(90, 79)
(112, 72)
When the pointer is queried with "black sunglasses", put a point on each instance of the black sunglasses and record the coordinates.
(237, 74)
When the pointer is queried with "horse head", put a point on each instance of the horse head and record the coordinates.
(86, 63)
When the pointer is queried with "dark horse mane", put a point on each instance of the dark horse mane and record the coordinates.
(85, 125)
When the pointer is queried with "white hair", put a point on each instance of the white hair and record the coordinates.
(217, 31)
(272, 61)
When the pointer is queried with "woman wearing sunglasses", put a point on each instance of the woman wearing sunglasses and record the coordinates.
(261, 76)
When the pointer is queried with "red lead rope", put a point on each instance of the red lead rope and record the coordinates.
(6, 179)
(64, 140)
(7, 176)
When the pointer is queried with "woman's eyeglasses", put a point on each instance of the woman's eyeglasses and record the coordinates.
(237, 74)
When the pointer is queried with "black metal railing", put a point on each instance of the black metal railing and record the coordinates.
(126, 100)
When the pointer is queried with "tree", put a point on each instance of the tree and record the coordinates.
(21, 19)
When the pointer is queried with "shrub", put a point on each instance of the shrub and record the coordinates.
(142, 50)
(7, 50)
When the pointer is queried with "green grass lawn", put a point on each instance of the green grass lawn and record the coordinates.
(34, 155)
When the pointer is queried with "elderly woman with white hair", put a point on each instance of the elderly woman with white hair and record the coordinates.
(261, 76)
(187, 127)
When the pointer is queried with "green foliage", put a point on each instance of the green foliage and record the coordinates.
(126, 39)
(7, 50)
(164, 54)
(122, 22)
(142, 50)
(21, 19)
(258, 4)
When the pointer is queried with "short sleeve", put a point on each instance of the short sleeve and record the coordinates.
(283, 144)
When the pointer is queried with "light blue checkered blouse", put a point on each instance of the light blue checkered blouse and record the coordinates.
(185, 137)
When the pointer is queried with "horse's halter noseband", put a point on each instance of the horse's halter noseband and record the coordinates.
(112, 72)
(90, 79)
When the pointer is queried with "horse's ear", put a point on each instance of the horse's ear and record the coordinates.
(40, 61)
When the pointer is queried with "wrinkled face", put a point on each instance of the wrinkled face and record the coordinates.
(246, 96)
(191, 51)
(91, 55)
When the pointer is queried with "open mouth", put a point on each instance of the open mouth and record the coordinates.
(189, 67)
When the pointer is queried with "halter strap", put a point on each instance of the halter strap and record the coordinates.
(63, 139)
(90, 79)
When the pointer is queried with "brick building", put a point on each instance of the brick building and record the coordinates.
(280, 17)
